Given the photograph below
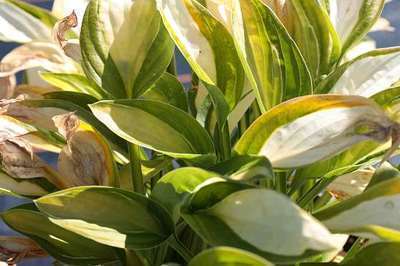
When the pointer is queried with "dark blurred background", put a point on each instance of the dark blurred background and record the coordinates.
(383, 39)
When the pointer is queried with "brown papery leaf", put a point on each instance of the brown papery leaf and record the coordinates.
(19, 161)
(70, 47)
(84, 157)
(62, 26)
(37, 54)
(66, 124)
(14, 248)
(7, 87)
(39, 117)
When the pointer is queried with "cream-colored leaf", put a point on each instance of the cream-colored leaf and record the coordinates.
(12, 128)
(263, 227)
(382, 211)
(21, 187)
(370, 73)
(188, 38)
(46, 55)
(350, 185)
(308, 129)
(19, 26)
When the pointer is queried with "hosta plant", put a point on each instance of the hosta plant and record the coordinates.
(276, 153)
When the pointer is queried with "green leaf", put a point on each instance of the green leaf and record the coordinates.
(80, 99)
(40, 13)
(142, 49)
(62, 244)
(274, 65)
(315, 35)
(173, 188)
(169, 90)
(102, 21)
(362, 154)
(19, 26)
(382, 254)
(123, 219)
(10, 186)
(353, 19)
(384, 173)
(245, 167)
(372, 214)
(220, 104)
(206, 44)
(157, 126)
(74, 83)
(231, 219)
(299, 132)
(365, 75)
(222, 256)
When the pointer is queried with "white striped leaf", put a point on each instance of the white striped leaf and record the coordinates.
(206, 44)
(232, 219)
(37, 54)
(61, 244)
(157, 126)
(313, 128)
(139, 223)
(311, 28)
(10, 186)
(353, 19)
(142, 49)
(372, 214)
(366, 75)
(274, 65)
(20, 26)
(102, 21)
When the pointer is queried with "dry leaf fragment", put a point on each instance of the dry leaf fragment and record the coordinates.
(86, 157)
(13, 249)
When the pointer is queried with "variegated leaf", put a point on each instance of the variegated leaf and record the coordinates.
(20, 26)
(206, 45)
(372, 214)
(232, 220)
(366, 75)
(300, 132)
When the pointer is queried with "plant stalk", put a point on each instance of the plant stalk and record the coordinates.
(313, 192)
(136, 168)
(280, 182)
(174, 243)
(225, 142)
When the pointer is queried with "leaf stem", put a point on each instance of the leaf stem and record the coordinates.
(225, 142)
(177, 245)
(314, 191)
(136, 168)
(280, 182)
